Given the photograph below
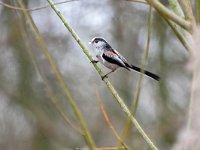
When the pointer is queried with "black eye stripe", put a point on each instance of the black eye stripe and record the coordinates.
(96, 40)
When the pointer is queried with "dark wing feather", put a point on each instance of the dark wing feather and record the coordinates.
(113, 58)
(122, 58)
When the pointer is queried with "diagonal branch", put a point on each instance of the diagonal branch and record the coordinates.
(109, 122)
(32, 9)
(60, 78)
(44, 79)
(109, 85)
(170, 14)
(187, 7)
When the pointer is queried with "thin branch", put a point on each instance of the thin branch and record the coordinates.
(139, 83)
(109, 122)
(60, 79)
(179, 35)
(173, 25)
(188, 125)
(187, 7)
(197, 10)
(138, 1)
(170, 15)
(32, 9)
(109, 85)
(176, 8)
(44, 79)
(145, 61)
(49, 90)
(179, 32)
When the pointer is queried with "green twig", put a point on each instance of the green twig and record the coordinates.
(176, 8)
(44, 79)
(60, 79)
(138, 1)
(187, 7)
(169, 14)
(51, 94)
(144, 63)
(32, 9)
(179, 35)
(110, 87)
(109, 122)
(197, 10)
(179, 32)
(139, 83)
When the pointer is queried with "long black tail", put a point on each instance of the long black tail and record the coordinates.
(152, 75)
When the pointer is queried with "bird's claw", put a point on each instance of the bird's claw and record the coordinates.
(103, 77)
(94, 61)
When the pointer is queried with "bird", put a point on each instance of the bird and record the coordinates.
(113, 60)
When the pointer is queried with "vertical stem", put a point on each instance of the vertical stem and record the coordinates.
(188, 125)
(144, 63)
(197, 10)
(139, 83)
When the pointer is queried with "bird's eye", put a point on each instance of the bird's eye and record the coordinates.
(96, 41)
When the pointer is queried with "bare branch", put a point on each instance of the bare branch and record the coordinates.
(33, 9)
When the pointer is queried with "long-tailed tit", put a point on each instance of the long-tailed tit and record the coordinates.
(112, 59)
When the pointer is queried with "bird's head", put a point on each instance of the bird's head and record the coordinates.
(99, 43)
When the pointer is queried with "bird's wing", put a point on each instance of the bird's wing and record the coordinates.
(120, 56)
(113, 57)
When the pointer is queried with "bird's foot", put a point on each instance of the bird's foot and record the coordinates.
(103, 77)
(94, 61)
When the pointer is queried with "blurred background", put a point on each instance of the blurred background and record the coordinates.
(29, 119)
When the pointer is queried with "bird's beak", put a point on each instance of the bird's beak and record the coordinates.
(90, 42)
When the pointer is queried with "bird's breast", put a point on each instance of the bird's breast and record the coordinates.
(110, 65)
(99, 57)
(106, 63)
